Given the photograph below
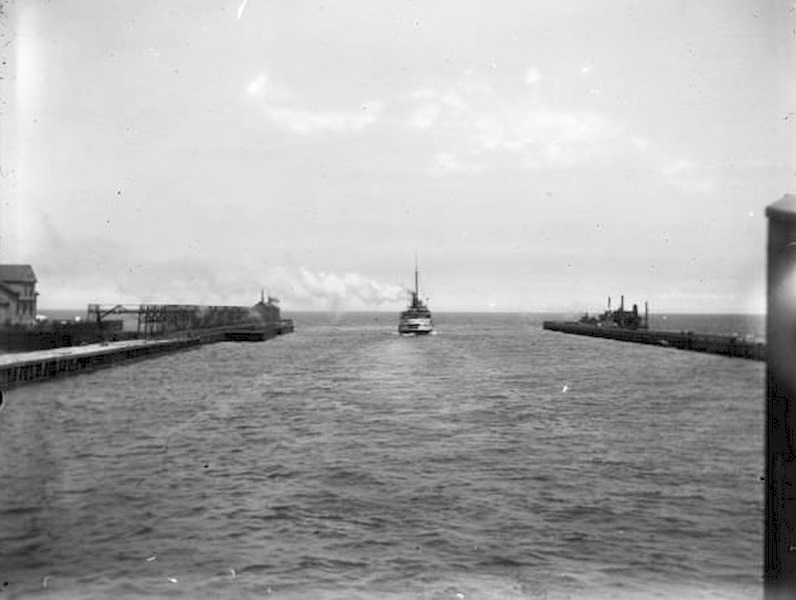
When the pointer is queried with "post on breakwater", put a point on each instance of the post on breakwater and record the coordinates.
(780, 516)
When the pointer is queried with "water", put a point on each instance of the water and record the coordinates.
(494, 460)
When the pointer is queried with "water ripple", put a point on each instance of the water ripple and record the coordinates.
(494, 461)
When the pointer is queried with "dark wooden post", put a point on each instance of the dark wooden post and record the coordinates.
(780, 519)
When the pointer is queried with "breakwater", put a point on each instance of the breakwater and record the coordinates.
(686, 340)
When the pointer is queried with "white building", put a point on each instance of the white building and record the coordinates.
(17, 295)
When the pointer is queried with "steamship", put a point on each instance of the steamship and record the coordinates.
(416, 319)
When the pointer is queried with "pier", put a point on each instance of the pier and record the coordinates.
(695, 342)
(156, 330)
(30, 367)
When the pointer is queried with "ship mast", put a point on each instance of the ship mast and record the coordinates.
(417, 289)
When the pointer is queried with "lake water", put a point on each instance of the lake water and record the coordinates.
(495, 460)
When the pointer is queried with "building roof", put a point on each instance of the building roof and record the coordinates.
(784, 208)
(17, 274)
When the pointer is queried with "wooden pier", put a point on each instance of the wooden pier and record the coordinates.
(30, 367)
(105, 341)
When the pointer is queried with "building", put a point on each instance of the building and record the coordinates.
(17, 295)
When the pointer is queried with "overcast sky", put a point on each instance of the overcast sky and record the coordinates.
(536, 155)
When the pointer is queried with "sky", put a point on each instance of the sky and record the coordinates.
(533, 156)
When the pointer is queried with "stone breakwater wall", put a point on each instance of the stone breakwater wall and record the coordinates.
(687, 340)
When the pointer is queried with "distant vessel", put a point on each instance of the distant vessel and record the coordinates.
(416, 319)
(629, 326)
(624, 319)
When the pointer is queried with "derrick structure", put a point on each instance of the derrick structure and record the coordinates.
(158, 320)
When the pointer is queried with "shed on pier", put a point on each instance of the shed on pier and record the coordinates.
(17, 295)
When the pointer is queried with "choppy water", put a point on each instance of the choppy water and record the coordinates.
(494, 460)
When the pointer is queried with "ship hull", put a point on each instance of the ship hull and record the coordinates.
(415, 326)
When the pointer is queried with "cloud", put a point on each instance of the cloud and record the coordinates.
(425, 116)
(76, 271)
(472, 127)
(452, 99)
(336, 292)
(685, 176)
(279, 104)
(482, 129)
(303, 122)
(448, 161)
(468, 126)
(547, 137)
(106, 272)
